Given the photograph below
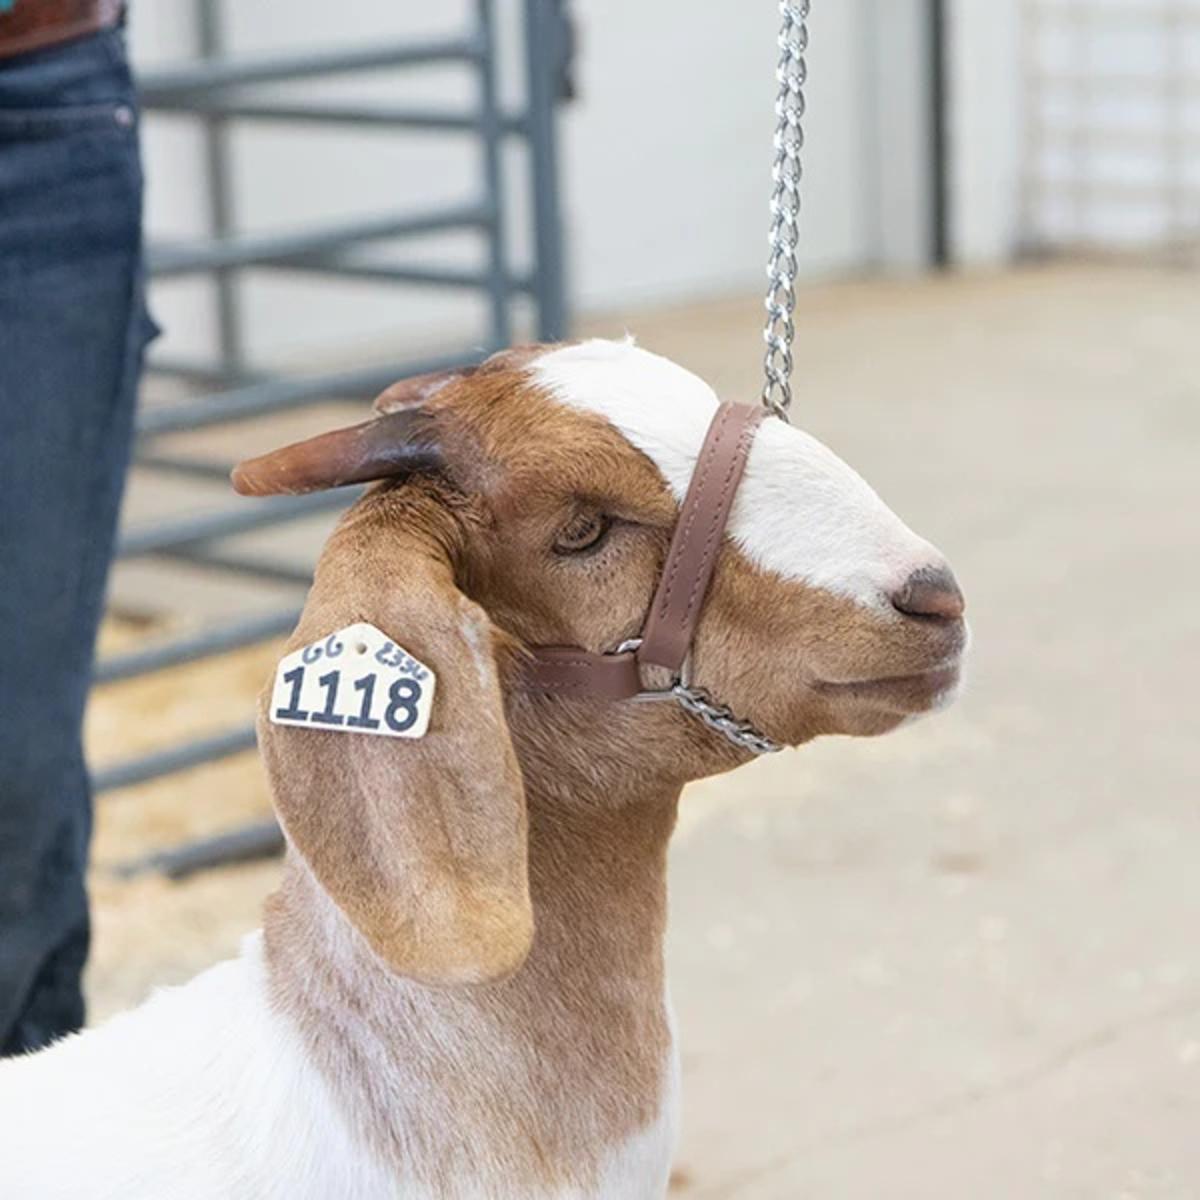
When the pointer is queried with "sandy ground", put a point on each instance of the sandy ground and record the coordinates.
(961, 961)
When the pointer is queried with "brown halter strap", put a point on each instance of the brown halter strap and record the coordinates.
(670, 626)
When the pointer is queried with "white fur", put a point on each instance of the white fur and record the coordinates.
(202, 1092)
(206, 1092)
(800, 511)
(641, 1169)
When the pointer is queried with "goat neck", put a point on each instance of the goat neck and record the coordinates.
(558, 1080)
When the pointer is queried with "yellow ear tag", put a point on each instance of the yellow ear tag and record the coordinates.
(356, 680)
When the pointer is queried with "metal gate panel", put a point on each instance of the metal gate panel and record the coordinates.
(219, 91)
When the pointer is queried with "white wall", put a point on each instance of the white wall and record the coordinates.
(666, 159)
(985, 129)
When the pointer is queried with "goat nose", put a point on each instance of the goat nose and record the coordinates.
(930, 592)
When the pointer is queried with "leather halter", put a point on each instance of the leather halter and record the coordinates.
(666, 637)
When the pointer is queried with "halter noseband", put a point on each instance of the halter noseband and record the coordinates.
(666, 637)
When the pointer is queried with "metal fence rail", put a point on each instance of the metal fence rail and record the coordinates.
(218, 91)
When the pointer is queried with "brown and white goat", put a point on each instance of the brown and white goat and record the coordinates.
(459, 991)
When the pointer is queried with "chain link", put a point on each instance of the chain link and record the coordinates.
(699, 703)
(780, 330)
(786, 171)
(717, 717)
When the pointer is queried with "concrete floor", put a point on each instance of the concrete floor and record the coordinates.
(963, 960)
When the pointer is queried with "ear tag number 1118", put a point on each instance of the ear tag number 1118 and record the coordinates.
(356, 680)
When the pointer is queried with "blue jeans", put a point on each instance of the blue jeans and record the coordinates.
(72, 329)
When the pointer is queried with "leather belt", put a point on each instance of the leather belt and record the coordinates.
(37, 24)
(670, 625)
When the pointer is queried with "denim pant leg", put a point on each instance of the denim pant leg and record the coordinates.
(72, 330)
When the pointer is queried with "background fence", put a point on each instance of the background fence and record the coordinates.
(220, 92)
(1112, 146)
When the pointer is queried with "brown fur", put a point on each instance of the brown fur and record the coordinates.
(420, 863)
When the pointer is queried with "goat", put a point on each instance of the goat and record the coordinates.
(458, 992)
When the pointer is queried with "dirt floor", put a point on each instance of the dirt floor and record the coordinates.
(960, 961)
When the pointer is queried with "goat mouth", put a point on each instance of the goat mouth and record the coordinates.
(903, 694)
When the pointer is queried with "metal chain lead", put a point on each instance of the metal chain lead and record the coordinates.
(780, 330)
(717, 717)
(786, 172)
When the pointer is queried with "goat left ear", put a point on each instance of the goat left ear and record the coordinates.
(401, 440)
(420, 842)
(398, 443)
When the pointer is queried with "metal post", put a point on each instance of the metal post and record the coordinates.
(492, 133)
(545, 48)
(939, 138)
(210, 39)
(1175, 154)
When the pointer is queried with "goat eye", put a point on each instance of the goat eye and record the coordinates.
(585, 532)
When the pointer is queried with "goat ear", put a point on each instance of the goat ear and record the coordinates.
(399, 443)
(421, 843)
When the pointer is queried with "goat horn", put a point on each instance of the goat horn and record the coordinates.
(397, 443)
(415, 391)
